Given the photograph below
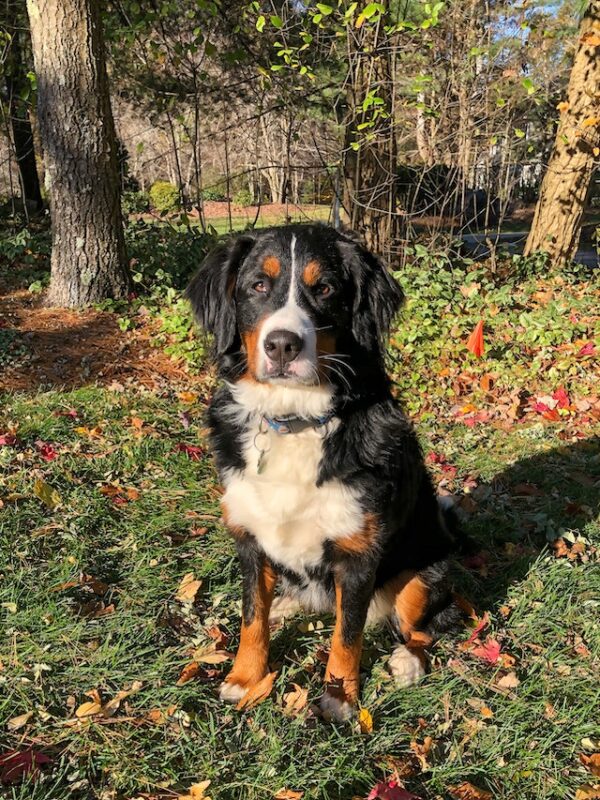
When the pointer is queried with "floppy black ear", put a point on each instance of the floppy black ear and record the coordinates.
(211, 290)
(377, 298)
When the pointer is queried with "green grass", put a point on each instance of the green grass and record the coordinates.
(321, 213)
(55, 644)
(52, 653)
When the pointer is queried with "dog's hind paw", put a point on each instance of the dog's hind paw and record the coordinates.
(406, 666)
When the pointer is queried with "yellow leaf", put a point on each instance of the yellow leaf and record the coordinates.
(187, 588)
(591, 38)
(365, 721)
(590, 121)
(110, 708)
(187, 397)
(257, 693)
(19, 722)
(563, 106)
(288, 794)
(88, 709)
(196, 792)
(49, 496)
(486, 712)
(588, 792)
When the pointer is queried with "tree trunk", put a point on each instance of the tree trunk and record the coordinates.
(556, 225)
(77, 131)
(17, 86)
(369, 195)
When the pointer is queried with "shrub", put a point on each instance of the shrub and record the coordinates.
(214, 193)
(164, 197)
(135, 202)
(243, 197)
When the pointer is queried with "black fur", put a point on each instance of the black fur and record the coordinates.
(374, 449)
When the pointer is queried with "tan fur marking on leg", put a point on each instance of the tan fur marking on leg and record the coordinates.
(411, 599)
(343, 666)
(252, 659)
(362, 540)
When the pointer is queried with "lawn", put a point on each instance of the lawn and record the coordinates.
(108, 501)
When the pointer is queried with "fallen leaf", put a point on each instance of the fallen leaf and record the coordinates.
(288, 794)
(188, 673)
(390, 790)
(188, 588)
(196, 792)
(475, 341)
(16, 723)
(481, 624)
(509, 681)
(187, 397)
(212, 656)
(112, 706)
(257, 694)
(192, 451)
(365, 721)
(588, 792)
(295, 701)
(591, 762)
(488, 651)
(16, 764)
(466, 791)
(421, 751)
(49, 496)
(46, 451)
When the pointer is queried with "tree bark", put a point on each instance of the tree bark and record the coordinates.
(78, 137)
(556, 225)
(369, 195)
(20, 122)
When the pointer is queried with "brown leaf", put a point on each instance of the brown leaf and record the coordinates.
(16, 723)
(591, 762)
(257, 694)
(466, 791)
(421, 751)
(188, 672)
(196, 792)
(588, 792)
(112, 706)
(509, 681)
(295, 701)
(188, 588)
(288, 794)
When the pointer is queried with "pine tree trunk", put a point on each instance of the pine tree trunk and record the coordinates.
(556, 225)
(17, 85)
(80, 154)
(369, 195)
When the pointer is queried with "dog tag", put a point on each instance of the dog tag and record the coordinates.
(262, 462)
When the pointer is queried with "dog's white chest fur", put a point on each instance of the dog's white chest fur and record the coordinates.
(282, 506)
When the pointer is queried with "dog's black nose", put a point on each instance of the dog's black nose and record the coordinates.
(282, 346)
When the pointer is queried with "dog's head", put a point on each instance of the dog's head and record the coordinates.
(294, 305)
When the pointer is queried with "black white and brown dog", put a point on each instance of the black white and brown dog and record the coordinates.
(325, 488)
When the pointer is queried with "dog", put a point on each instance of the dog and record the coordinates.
(325, 487)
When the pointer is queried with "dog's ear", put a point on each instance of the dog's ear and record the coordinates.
(377, 297)
(211, 290)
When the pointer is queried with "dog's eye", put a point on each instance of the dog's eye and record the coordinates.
(261, 287)
(323, 289)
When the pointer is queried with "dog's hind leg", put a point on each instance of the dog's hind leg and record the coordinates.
(422, 609)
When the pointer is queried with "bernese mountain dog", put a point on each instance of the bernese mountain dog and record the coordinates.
(324, 486)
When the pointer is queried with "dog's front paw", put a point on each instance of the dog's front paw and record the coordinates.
(336, 706)
(230, 692)
(406, 666)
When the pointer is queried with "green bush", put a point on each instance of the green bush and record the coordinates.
(243, 198)
(135, 202)
(214, 193)
(164, 197)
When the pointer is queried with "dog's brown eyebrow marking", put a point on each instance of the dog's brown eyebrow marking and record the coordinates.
(311, 273)
(271, 266)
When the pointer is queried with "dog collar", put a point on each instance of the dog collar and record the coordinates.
(293, 424)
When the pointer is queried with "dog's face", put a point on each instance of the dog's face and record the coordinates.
(290, 305)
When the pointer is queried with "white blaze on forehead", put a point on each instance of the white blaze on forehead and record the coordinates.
(291, 301)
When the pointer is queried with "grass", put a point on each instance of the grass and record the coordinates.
(221, 225)
(132, 506)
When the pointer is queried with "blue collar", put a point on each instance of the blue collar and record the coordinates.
(293, 424)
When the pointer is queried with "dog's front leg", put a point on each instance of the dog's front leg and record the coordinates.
(251, 662)
(353, 591)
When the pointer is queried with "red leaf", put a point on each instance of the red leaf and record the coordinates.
(8, 440)
(15, 764)
(541, 408)
(479, 627)
(390, 791)
(562, 398)
(193, 451)
(587, 349)
(475, 341)
(46, 451)
(489, 651)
